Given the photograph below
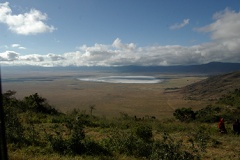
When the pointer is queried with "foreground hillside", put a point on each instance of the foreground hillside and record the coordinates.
(35, 130)
(212, 87)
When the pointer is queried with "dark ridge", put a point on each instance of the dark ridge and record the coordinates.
(209, 68)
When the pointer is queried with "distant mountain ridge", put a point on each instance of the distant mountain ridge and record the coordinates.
(209, 68)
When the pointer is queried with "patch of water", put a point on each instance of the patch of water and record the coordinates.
(123, 79)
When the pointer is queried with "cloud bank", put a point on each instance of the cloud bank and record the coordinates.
(24, 24)
(224, 47)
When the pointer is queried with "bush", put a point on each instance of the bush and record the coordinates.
(168, 149)
(76, 138)
(12, 108)
(58, 144)
(126, 142)
(232, 98)
(213, 113)
(184, 114)
(209, 114)
(14, 129)
(72, 144)
(37, 103)
(201, 138)
(122, 142)
(144, 132)
(93, 148)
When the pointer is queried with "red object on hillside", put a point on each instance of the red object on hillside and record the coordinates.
(221, 126)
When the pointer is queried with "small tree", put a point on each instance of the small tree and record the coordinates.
(37, 103)
(91, 107)
(14, 128)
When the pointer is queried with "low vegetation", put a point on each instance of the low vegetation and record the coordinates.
(227, 106)
(35, 130)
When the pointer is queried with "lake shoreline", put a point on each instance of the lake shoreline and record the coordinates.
(124, 79)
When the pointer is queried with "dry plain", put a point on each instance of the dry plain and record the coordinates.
(65, 92)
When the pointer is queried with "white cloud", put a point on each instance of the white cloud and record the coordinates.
(225, 29)
(17, 46)
(21, 47)
(9, 56)
(32, 58)
(28, 23)
(107, 55)
(55, 57)
(152, 55)
(225, 47)
(118, 44)
(180, 25)
(226, 25)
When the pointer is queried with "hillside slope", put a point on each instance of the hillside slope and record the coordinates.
(212, 87)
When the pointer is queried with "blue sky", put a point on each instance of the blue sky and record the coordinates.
(119, 32)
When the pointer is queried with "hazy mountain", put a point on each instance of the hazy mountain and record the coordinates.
(210, 68)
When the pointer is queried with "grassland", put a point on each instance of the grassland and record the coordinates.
(65, 93)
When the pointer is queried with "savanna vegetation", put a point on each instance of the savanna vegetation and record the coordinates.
(35, 130)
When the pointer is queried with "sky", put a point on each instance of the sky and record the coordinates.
(119, 32)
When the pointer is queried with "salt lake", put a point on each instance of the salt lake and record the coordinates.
(123, 79)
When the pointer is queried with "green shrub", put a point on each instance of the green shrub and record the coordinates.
(122, 142)
(14, 128)
(72, 144)
(200, 137)
(143, 149)
(173, 127)
(95, 149)
(137, 142)
(213, 113)
(168, 149)
(209, 114)
(12, 108)
(144, 132)
(58, 144)
(76, 138)
(37, 103)
(184, 114)
(232, 98)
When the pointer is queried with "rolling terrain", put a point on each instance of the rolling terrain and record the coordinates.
(65, 92)
(182, 87)
(212, 87)
(120, 112)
